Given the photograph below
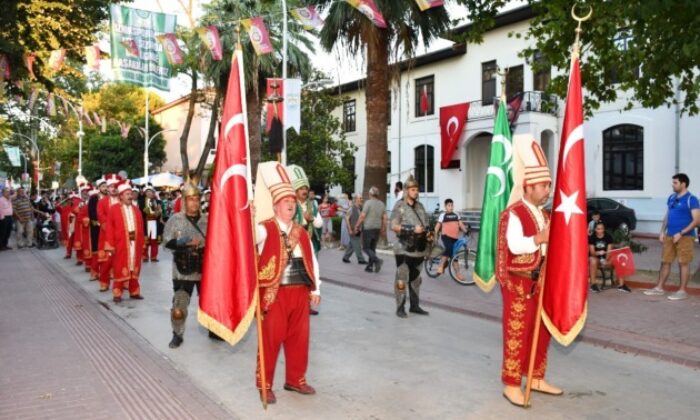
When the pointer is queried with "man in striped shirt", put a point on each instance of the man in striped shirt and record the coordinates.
(23, 211)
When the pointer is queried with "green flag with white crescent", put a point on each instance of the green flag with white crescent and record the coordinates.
(499, 182)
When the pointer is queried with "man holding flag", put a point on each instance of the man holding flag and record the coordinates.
(523, 233)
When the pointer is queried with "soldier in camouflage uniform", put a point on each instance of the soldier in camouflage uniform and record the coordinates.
(185, 235)
(410, 222)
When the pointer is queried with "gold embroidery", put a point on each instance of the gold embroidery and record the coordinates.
(268, 272)
(515, 327)
(524, 259)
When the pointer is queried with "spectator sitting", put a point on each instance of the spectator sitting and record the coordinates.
(595, 219)
(599, 247)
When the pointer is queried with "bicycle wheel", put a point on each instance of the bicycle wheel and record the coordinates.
(430, 266)
(462, 268)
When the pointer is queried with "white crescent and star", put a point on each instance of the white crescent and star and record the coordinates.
(574, 137)
(568, 205)
(622, 259)
(452, 122)
(498, 172)
(237, 169)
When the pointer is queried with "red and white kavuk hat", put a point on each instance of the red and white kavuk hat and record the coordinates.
(530, 165)
(85, 187)
(93, 191)
(124, 185)
(112, 179)
(271, 185)
(100, 181)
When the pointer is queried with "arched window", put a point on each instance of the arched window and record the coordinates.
(623, 158)
(424, 168)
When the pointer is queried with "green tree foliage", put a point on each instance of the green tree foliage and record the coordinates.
(321, 148)
(42, 26)
(109, 152)
(647, 45)
(122, 102)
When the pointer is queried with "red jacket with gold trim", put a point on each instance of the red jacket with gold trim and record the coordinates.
(273, 259)
(117, 239)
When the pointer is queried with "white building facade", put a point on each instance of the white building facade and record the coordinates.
(631, 155)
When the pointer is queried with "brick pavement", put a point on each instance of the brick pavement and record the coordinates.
(630, 323)
(65, 357)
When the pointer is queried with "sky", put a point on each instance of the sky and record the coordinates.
(338, 65)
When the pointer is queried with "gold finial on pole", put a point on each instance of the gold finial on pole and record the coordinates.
(238, 34)
(579, 19)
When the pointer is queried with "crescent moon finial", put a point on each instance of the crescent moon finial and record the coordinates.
(580, 19)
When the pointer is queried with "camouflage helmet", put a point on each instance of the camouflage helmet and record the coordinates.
(410, 183)
(189, 189)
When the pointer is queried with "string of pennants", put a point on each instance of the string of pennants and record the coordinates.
(307, 16)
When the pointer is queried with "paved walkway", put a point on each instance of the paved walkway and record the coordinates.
(631, 323)
(65, 357)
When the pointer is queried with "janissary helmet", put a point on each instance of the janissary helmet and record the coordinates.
(411, 182)
(298, 177)
(530, 165)
(189, 190)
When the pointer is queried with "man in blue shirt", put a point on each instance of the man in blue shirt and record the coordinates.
(678, 235)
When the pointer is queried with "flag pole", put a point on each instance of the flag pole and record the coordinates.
(543, 273)
(258, 314)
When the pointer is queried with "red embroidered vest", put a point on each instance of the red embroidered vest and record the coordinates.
(273, 259)
(507, 261)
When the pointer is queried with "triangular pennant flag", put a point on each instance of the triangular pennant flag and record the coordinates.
(56, 59)
(92, 56)
(5, 70)
(50, 105)
(29, 62)
(428, 4)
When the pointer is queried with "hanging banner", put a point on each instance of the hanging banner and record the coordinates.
(258, 35)
(428, 4)
(292, 104)
(172, 50)
(29, 63)
(210, 37)
(137, 57)
(274, 87)
(13, 155)
(56, 59)
(50, 105)
(92, 56)
(4, 67)
(308, 17)
(369, 9)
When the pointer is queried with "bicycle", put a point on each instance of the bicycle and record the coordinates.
(460, 266)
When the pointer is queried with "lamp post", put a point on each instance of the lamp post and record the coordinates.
(145, 151)
(38, 159)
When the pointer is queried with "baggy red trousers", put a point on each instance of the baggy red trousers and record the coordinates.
(105, 272)
(132, 285)
(518, 329)
(153, 245)
(286, 323)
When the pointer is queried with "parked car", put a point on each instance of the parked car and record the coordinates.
(612, 213)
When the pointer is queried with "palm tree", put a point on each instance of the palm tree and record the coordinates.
(257, 68)
(407, 27)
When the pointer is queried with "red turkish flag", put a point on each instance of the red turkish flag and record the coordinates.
(623, 261)
(424, 104)
(452, 120)
(229, 290)
(566, 287)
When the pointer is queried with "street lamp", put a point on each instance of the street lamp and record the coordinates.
(38, 159)
(145, 151)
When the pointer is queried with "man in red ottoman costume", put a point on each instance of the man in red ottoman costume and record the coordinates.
(124, 242)
(104, 260)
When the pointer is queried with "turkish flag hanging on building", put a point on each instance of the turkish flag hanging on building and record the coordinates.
(229, 290)
(566, 287)
(424, 101)
(622, 261)
(452, 121)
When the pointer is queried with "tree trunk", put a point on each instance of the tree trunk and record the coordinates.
(253, 110)
(213, 123)
(186, 129)
(377, 94)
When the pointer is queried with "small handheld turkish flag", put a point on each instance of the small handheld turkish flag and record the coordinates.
(623, 261)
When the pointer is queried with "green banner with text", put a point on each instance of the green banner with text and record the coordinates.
(137, 57)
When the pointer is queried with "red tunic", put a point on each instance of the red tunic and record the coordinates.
(177, 205)
(102, 217)
(118, 240)
(64, 211)
(77, 203)
(82, 225)
(274, 258)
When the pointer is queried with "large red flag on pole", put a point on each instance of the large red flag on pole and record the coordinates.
(229, 292)
(565, 292)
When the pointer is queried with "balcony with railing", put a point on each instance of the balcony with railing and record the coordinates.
(532, 101)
